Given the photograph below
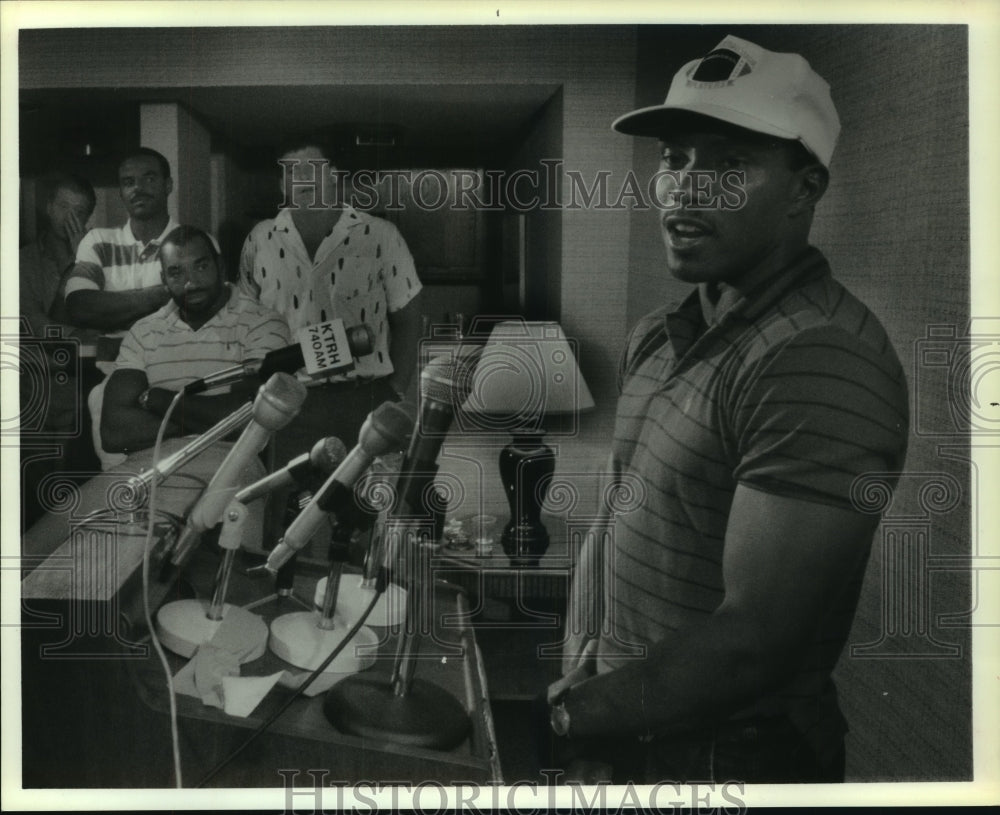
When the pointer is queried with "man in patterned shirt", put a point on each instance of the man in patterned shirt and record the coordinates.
(320, 259)
(704, 625)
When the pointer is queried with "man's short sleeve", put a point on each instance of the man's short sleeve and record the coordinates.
(88, 272)
(269, 333)
(401, 281)
(819, 411)
(131, 354)
(246, 284)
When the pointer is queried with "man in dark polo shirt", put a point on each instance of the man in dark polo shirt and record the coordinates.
(704, 627)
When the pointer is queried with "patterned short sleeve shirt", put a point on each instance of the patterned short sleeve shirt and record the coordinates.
(362, 271)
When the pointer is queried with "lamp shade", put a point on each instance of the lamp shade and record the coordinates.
(527, 370)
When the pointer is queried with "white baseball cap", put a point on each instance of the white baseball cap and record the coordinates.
(746, 85)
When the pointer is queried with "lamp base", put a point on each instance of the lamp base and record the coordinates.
(527, 465)
(427, 716)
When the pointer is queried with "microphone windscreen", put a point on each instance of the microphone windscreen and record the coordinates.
(278, 401)
(327, 454)
(361, 340)
(389, 428)
(436, 380)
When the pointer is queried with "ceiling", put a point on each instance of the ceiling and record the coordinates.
(481, 123)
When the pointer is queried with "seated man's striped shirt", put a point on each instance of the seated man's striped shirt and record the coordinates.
(172, 354)
(793, 389)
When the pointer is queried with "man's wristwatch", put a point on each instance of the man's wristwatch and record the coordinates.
(143, 399)
(559, 716)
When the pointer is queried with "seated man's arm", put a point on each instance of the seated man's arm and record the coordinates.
(196, 414)
(125, 426)
(786, 561)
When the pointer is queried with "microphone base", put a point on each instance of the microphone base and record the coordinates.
(183, 626)
(353, 598)
(297, 639)
(427, 716)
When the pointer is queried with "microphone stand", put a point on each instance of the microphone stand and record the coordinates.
(405, 709)
(284, 582)
(354, 592)
(306, 638)
(184, 625)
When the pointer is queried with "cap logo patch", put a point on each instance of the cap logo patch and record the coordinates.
(720, 67)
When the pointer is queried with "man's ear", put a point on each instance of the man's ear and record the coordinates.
(810, 184)
(170, 184)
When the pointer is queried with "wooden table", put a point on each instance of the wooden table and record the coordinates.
(95, 706)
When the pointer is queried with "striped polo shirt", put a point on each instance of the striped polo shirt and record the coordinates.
(113, 259)
(172, 354)
(792, 389)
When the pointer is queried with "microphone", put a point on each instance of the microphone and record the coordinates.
(301, 471)
(278, 401)
(438, 397)
(321, 348)
(386, 429)
(166, 467)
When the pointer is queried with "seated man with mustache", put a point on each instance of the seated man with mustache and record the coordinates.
(206, 326)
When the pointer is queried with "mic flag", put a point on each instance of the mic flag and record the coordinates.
(326, 348)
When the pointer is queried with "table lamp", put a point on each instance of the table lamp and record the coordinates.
(527, 371)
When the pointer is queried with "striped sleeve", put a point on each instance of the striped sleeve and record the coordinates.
(131, 354)
(820, 410)
(88, 272)
(85, 276)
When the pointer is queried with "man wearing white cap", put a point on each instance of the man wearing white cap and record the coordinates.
(704, 626)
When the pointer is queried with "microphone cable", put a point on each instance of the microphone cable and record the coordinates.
(147, 613)
(380, 588)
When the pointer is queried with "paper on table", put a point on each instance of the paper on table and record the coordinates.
(242, 694)
(213, 673)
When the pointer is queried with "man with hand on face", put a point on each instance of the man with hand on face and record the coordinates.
(69, 204)
(43, 266)
(207, 326)
(703, 627)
